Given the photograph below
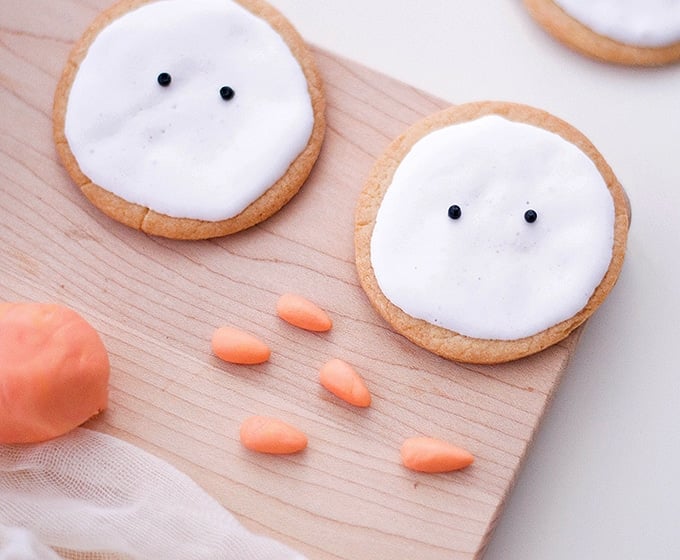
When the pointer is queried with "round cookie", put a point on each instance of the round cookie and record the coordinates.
(631, 32)
(490, 231)
(189, 119)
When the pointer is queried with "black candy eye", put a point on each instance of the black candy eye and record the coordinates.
(530, 216)
(164, 79)
(227, 93)
(455, 212)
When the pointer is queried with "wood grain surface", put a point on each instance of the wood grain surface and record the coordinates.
(157, 302)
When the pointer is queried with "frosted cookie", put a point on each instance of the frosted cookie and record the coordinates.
(634, 32)
(490, 231)
(189, 118)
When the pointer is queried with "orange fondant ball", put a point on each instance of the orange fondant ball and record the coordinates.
(54, 371)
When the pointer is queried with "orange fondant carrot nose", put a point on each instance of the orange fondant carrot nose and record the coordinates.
(432, 455)
(271, 435)
(302, 313)
(344, 382)
(239, 347)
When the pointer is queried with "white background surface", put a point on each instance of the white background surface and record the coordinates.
(603, 477)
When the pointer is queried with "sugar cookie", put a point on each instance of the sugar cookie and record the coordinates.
(633, 32)
(189, 119)
(490, 231)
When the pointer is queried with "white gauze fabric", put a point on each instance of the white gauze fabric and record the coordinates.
(89, 496)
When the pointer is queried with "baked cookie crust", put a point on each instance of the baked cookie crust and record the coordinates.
(442, 341)
(152, 222)
(584, 40)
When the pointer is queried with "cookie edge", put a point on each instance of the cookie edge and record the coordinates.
(580, 38)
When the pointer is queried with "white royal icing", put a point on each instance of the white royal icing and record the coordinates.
(644, 23)
(490, 274)
(182, 150)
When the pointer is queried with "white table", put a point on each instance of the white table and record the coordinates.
(602, 480)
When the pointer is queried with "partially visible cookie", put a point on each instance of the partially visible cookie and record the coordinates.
(631, 32)
(190, 119)
(490, 231)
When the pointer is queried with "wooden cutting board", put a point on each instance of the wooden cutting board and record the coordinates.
(156, 303)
